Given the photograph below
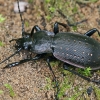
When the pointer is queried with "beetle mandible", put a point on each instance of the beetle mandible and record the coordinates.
(75, 49)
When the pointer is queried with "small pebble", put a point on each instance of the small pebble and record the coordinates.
(22, 5)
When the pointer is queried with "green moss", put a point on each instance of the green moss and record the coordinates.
(11, 92)
(63, 87)
(85, 72)
(49, 84)
(1, 91)
(26, 23)
(86, 1)
(75, 96)
(1, 43)
(30, 1)
(2, 19)
(97, 92)
(48, 17)
(54, 63)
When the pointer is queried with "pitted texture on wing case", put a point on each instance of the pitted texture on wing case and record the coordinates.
(77, 50)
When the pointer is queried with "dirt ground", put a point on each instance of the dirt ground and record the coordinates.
(29, 80)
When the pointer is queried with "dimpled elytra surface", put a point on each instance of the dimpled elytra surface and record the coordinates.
(77, 50)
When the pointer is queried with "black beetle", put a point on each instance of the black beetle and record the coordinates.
(75, 49)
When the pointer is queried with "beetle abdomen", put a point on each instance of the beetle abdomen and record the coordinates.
(77, 50)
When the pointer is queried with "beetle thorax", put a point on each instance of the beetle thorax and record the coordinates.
(41, 43)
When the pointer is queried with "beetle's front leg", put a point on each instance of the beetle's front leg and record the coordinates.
(38, 56)
(36, 28)
(91, 32)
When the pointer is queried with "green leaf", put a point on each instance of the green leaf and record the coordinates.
(48, 85)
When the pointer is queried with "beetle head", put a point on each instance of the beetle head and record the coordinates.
(24, 43)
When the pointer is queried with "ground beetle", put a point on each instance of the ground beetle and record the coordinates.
(75, 49)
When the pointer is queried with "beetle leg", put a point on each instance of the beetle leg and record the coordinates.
(36, 28)
(76, 23)
(54, 77)
(13, 40)
(91, 32)
(74, 72)
(38, 56)
(56, 28)
(11, 55)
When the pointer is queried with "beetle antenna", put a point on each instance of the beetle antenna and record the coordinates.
(23, 29)
(12, 55)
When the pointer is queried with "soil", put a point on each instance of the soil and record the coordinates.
(29, 80)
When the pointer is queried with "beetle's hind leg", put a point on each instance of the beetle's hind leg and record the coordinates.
(76, 73)
(65, 66)
(91, 32)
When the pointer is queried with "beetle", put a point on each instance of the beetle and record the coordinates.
(75, 49)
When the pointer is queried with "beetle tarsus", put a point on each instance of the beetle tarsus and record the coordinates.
(75, 24)
(91, 32)
(11, 65)
(38, 56)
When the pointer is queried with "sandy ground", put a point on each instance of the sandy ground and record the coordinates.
(29, 80)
